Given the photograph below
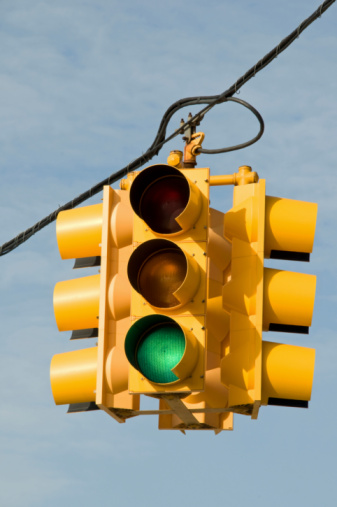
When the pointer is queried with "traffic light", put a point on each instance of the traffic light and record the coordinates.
(165, 344)
(258, 298)
(95, 306)
(175, 286)
(182, 299)
(174, 355)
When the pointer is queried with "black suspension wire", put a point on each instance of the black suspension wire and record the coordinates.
(160, 138)
(242, 145)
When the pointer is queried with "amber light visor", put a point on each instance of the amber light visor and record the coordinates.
(160, 349)
(163, 274)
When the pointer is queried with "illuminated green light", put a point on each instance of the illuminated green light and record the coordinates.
(159, 351)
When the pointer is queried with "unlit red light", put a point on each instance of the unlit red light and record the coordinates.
(162, 202)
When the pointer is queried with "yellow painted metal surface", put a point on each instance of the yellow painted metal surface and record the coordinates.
(73, 376)
(102, 301)
(76, 303)
(259, 299)
(114, 310)
(224, 299)
(290, 225)
(191, 294)
(189, 217)
(288, 298)
(210, 405)
(175, 158)
(79, 232)
(244, 176)
(287, 371)
(189, 359)
(243, 296)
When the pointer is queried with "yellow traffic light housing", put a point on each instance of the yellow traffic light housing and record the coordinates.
(183, 297)
(95, 306)
(162, 350)
(264, 299)
(73, 376)
(176, 271)
(168, 273)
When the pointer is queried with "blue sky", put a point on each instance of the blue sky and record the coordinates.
(83, 86)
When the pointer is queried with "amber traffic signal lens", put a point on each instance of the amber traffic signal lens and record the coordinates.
(163, 201)
(161, 275)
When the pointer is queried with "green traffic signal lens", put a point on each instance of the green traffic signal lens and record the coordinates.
(160, 350)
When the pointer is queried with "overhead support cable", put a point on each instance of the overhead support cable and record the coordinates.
(161, 138)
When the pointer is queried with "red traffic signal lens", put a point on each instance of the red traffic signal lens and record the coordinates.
(159, 195)
(162, 202)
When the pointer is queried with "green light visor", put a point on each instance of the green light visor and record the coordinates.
(154, 345)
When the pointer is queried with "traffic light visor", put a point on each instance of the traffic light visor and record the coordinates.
(287, 373)
(79, 232)
(163, 274)
(76, 303)
(290, 229)
(73, 376)
(165, 199)
(160, 349)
